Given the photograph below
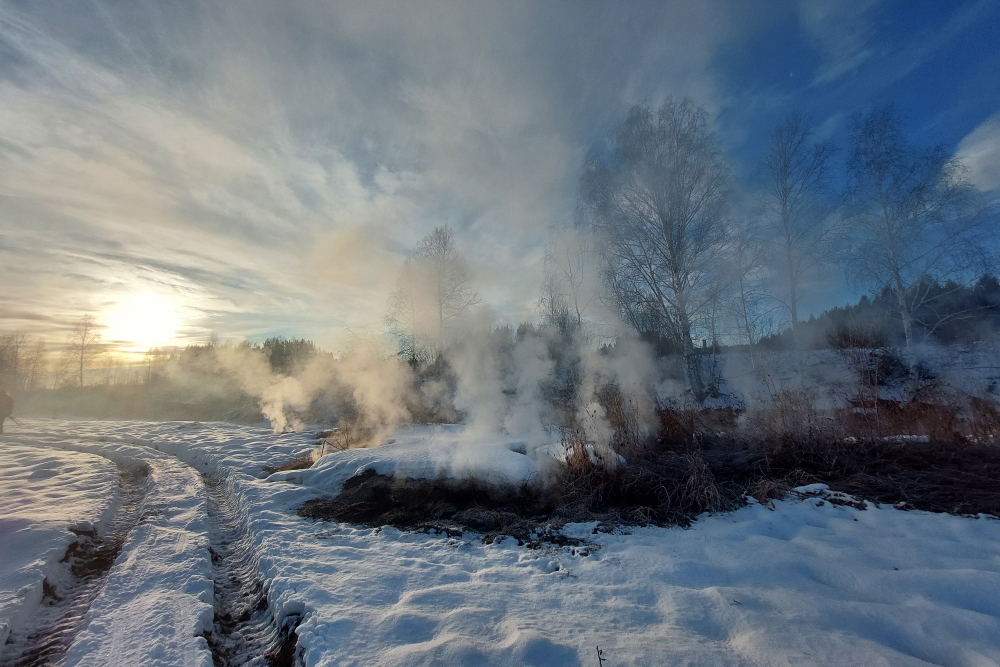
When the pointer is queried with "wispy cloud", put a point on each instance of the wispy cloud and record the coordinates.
(842, 31)
(266, 165)
(980, 153)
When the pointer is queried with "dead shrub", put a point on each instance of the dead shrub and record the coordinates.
(767, 489)
(789, 416)
(653, 486)
(584, 477)
(684, 429)
(700, 491)
(983, 422)
(856, 336)
(629, 434)
(713, 421)
(351, 433)
(299, 463)
(901, 418)
(676, 428)
(938, 478)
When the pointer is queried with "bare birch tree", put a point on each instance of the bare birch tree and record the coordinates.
(795, 203)
(84, 344)
(34, 366)
(659, 203)
(433, 288)
(907, 215)
(569, 285)
(746, 268)
(553, 304)
(403, 317)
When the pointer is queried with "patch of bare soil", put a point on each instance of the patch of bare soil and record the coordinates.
(671, 483)
(450, 506)
(301, 463)
(956, 478)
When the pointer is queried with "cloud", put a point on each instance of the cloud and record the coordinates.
(842, 32)
(268, 164)
(980, 153)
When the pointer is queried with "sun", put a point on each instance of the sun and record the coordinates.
(142, 321)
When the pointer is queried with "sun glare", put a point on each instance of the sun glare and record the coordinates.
(142, 321)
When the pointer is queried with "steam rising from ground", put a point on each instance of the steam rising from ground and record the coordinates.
(527, 384)
(533, 385)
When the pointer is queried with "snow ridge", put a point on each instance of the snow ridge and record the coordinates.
(89, 559)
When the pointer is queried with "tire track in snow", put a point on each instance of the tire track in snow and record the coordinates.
(89, 560)
(245, 631)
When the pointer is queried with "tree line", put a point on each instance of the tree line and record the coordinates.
(961, 314)
(26, 364)
(679, 250)
(664, 239)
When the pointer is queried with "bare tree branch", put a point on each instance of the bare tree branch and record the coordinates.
(659, 204)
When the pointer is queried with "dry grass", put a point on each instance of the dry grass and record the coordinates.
(630, 434)
(299, 463)
(711, 461)
(984, 422)
(790, 416)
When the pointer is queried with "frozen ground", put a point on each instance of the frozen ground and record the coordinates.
(43, 493)
(805, 582)
(422, 452)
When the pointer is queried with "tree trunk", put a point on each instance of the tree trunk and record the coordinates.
(746, 324)
(793, 296)
(908, 334)
(440, 325)
(691, 365)
(904, 310)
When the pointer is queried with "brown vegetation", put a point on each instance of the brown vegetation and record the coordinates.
(915, 455)
(300, 463)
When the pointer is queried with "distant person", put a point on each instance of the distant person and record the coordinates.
(6, 407)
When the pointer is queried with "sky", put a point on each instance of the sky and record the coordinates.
(264, 168)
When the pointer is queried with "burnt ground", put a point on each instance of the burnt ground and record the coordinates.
(449, 506)
(950, 477)
(300, 463)
(671, 483)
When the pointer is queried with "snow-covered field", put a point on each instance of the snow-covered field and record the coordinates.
(805, 582)
(43, 493)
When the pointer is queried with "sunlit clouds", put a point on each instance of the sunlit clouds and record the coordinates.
(267, 167)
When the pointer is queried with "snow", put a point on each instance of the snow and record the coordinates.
(157, 603)
(803, 581)
(45, 493)
(422, 452)
(799, 584)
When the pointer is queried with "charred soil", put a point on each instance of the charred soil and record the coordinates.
(694, 466)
